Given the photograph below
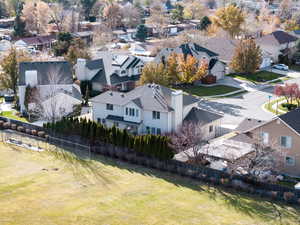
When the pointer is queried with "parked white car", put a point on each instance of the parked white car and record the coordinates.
(281, 67)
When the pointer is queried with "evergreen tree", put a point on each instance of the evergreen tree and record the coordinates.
(204, 23)
(19, 27)
(141, 33)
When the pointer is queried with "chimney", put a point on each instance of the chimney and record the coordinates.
(177, 105)
(80, 69)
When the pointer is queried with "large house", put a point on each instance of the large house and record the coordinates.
(215, 66)
(152, 109)
(121, 71)
(225, 48)
(281, 133)
(52, 88)
(278, 43)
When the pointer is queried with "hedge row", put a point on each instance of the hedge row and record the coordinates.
(150, 145)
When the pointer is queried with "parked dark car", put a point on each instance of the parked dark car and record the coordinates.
(9, 98)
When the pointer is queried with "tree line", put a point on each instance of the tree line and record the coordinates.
(151, 145)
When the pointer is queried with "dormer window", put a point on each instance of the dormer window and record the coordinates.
(123, 72)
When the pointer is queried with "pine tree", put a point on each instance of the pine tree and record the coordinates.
(141, 32)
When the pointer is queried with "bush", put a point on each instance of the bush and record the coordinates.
(289, 106)
(20, 129)
(288, 196)
(14, 126)
(34, 132)
(1, 123)
(6, 125)
(41, 134)
(28, 131)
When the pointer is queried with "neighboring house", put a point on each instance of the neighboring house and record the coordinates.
(85, 36)
(216, 67)
(152, 109)
(53, 85)
(38, 42)
(281, 133)
(278, 43)
(121, 71)
(225, 48)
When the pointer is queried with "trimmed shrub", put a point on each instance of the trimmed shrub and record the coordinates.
(41, 134)
(28, 131)
(13, 126)
(288, 196)
(1, 123)
(34, 132)
(20, 129)
(6, 125)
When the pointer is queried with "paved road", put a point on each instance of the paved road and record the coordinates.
(235, 109)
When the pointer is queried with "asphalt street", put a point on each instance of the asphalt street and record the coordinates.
(235, 109)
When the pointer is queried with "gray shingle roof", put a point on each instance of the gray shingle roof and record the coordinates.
(248, 124)
(56, 72)
(292, 119)
(198, 115)
(276, 38)
(144, 97)
(192, 49)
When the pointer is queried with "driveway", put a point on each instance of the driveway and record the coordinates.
(235, 109)
(290, 73)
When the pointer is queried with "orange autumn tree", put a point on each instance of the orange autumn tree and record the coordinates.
(190, 70)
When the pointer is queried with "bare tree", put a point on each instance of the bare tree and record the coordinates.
(113, 15)
(36, 14)
(47, 104)
(60, 17)
(131, 16)
(261, 162)
(188, 141)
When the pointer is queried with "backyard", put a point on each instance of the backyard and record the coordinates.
(209, 91)
(261, 76)
(45, 188)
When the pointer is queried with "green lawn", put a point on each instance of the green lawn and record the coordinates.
(38, 188)
(209, 91)
(261, 76)
(12, 115)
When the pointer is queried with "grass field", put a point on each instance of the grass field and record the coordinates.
(40, 189)
(209, 91)
(261, 76)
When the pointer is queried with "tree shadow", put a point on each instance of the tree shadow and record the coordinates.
(250, 205)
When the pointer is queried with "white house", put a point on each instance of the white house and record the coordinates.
(52, 87)
(152, 109)
(121, 71)
(215, 66)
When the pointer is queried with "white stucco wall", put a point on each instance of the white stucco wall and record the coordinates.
(218, 70)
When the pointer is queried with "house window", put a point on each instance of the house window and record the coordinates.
(152, 130)
(148, 130)
(264, 137)
(290, 161)
(211, 128)
(123, 71)
(137, 113)
(103, 121)
(110, 107)
(131, 112)
(156, 115)
(286, 141)
(158, 131)
(99, 120)
(126, 111)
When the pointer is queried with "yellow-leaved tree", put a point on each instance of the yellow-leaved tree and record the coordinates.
(247, 57)
(230, 19)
